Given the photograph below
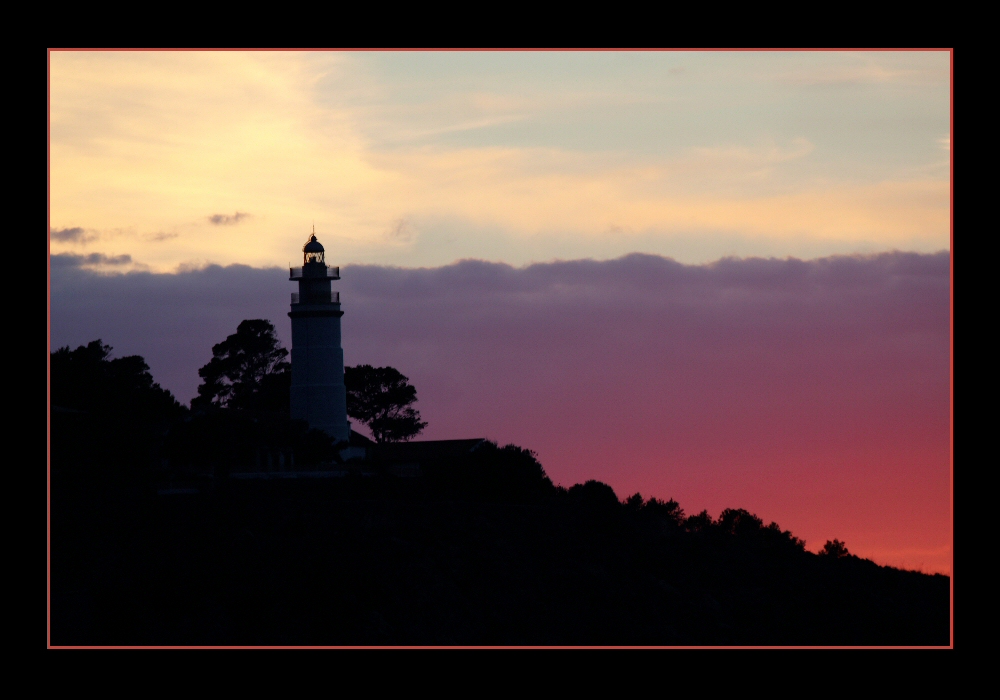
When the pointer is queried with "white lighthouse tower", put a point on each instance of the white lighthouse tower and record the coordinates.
(318, 393)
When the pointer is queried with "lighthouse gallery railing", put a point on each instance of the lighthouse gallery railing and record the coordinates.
(333, 273)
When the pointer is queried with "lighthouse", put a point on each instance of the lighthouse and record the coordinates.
(318, 393)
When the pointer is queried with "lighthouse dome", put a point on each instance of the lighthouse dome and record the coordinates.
(312, 251)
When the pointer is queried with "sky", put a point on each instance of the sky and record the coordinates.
(718, 277)
(182, 159)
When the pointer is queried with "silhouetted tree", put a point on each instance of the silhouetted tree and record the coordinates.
(670, 511)
(382, 398)
(87, 379)
(835, 549)
(108, 415)
(634, 502)
(247, 371)
(737, 521)
(595, 495)
(700, 522)
(491, 473)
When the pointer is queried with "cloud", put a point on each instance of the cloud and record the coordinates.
(76, 234)
(162, 236)
(771, 153)
(870, 72)
(226, 220)
(401, 231)
(101, 259)
(64, 260)
(99, 265)
(814, 392)
(67, 234)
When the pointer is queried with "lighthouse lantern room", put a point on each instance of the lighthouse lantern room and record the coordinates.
(318, 393)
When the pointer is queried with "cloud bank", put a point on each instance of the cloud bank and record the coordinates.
(813, 392)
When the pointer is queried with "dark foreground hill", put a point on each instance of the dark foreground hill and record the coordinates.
(479, 549)
(385, 561)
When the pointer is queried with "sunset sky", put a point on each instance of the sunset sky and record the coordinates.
(779, 343)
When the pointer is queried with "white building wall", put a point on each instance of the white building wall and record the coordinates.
(318, 392)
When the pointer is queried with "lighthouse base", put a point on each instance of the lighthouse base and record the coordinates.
(322, 408)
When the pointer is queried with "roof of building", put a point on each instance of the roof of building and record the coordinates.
(312, 245)
(422, 451)
(359, 440)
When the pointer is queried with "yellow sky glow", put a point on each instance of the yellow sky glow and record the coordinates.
(145, 147)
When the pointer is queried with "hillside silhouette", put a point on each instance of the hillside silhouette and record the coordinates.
(154, 543)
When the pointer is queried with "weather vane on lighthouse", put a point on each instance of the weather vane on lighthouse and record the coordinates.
(318, 393)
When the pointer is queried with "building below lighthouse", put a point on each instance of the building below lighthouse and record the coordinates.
(318, 393)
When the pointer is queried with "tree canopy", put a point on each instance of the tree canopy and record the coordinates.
(248, 370)
(87, 379)
(835, 549)
(382, 398)
(108, 417)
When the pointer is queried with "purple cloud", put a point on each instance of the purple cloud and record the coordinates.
(76, 234)
(68, 260)
(226, 220)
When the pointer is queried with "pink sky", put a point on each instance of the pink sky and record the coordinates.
(815, 394)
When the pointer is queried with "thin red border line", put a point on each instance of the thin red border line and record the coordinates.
(397, 49)
(951, 323)
(501, 647)
(48, 353)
